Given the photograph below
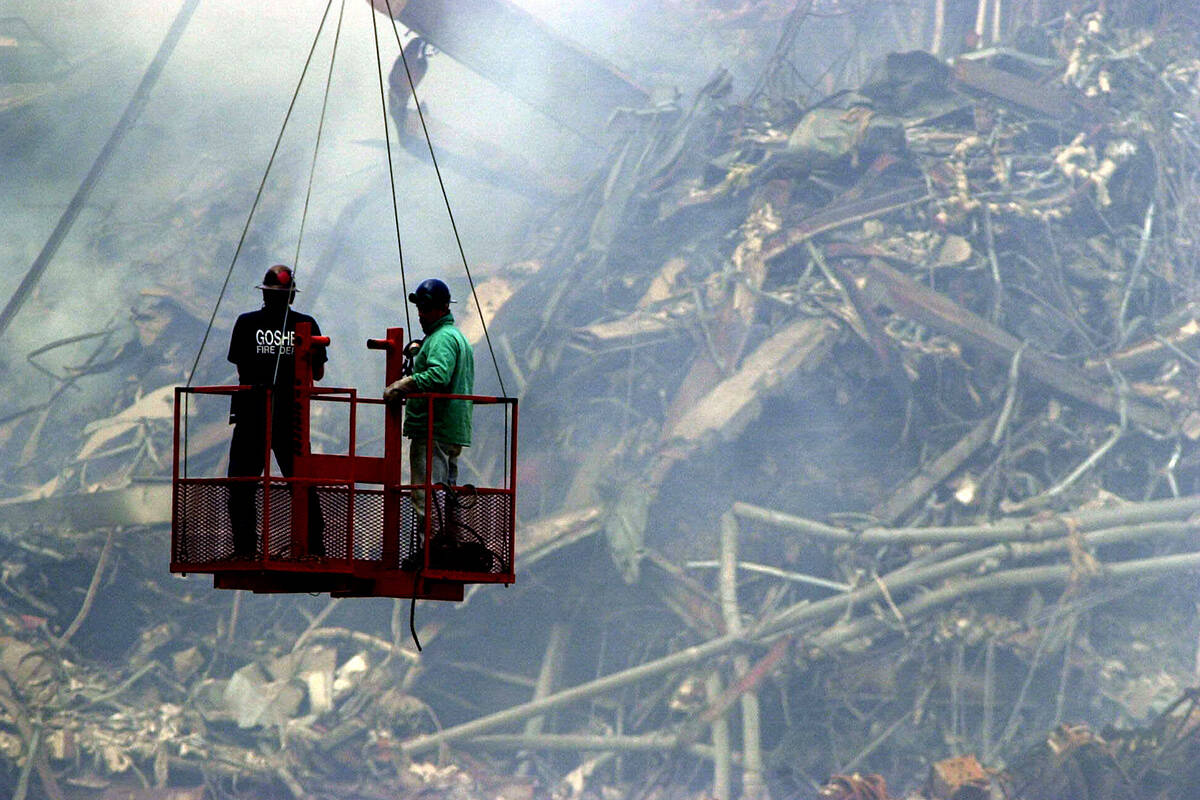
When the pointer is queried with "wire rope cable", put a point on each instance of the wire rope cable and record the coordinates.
(257, 197)
(387, 138)
(445, 197)
(312, 171)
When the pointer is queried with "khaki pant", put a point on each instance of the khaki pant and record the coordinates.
(445, 470)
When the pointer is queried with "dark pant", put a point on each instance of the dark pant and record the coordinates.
(247, 459)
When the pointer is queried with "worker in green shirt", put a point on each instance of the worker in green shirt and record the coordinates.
(445, 364)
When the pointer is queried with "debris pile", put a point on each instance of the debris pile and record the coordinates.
(859, 450)
(299, 722)
(912, 370)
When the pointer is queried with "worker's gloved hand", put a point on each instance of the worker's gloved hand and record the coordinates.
(400, 388)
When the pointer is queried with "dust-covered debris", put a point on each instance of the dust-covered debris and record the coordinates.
(859, 451)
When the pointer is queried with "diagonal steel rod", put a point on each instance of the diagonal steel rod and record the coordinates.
(132, 111)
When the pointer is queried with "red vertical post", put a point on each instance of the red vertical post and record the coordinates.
(302, 475)
(349, 551)
(301, 396)
(427, 479)
(512, 511)
(176, 528)
(392, 447)
(266, 477)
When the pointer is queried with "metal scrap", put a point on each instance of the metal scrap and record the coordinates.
(864, 419)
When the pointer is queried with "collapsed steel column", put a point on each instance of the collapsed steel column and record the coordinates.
(132, 111)
(513, 49)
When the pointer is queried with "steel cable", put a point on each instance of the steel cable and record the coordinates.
(258, 196)
(445, 197)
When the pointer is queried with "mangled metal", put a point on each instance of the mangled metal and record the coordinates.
(882, 408)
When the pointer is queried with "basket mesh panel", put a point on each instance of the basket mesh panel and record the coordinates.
(368, 524)
(202, 532)
(476, 526)
(335, 508)
(280, 529)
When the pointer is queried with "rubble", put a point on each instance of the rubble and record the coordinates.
(859, 452)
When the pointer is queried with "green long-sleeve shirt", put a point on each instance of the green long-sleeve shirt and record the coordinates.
(445, 364)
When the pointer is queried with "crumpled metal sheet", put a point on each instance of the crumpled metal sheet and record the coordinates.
(825, 135)
(255, 700)
(271, 694)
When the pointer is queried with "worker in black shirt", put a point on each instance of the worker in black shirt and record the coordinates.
(263, 346)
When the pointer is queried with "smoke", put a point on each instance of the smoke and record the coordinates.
(167, 214)
(168, 211)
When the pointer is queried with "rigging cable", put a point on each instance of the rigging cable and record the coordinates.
(387, 138)
(412, 86)
(441, 184)
(337, 36)
(312, 171)
(258, 196)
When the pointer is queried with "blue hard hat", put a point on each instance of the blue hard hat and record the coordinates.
(430, 292)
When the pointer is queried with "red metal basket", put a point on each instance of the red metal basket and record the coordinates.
(372, 543)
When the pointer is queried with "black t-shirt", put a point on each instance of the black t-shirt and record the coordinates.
(260, 339)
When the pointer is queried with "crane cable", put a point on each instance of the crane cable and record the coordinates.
(387, 138)
(412, 88)
(441, 185)
(258, 196)
(312, 171)
(395, 205)
(391, 177)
